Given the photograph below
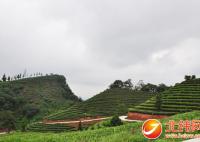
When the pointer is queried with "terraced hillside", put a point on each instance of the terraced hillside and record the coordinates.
(107, 103)
(183, 97)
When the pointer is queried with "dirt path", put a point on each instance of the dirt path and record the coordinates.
(3, 133)
(125, 118)
(71, 122)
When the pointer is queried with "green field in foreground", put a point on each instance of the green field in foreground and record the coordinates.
(126, 133)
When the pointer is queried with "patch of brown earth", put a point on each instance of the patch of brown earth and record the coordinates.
(141, 116)
(79, 119)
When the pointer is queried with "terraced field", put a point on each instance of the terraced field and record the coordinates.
(107, 103)
(41, 127)
(183, 97)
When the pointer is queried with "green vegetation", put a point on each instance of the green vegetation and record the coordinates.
(183, 97)
(154, 88)
(30, 99)
(120, 84)
(7, 120)
(115, 121)
(127, 133)
(40, 127)
(108, 103)
(112, 122)
(102, 124)
(33, 98)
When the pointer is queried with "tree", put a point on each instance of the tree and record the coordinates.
(128, 84)
(18, 77)
(193, 77)
(24, 74)
(115, 121)
(149, 88)
(4, 78)
(162, 87)
(117, 84)
(187, 77)
(9, 78)
(139, 85)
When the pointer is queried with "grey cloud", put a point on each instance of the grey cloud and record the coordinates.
(96, 42)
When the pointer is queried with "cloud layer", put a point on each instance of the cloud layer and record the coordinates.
(95, 42)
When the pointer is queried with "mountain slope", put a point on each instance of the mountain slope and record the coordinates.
(183, 97)
(38, 95)
(107, 103)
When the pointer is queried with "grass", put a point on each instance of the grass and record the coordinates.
(127, 133)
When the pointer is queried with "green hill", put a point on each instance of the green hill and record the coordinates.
(37, 96)
(107, 103)
(183, 97)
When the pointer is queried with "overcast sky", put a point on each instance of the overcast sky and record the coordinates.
(94, 42)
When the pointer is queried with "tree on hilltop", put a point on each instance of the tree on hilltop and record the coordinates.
(193, 77)
(128, 84)
(117, 84)
(162, 87)
(149, 88)
(120, 84)
(4, 78)
(189, 77)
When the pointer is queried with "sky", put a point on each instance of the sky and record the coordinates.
(94, 42)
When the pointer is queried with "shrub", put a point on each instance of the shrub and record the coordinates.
(115, 121)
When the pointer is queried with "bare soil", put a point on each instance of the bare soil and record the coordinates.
(141, 116)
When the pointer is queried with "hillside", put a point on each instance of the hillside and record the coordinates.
(126, 133)
(183, 97)
(28, 97)
(107, 103)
